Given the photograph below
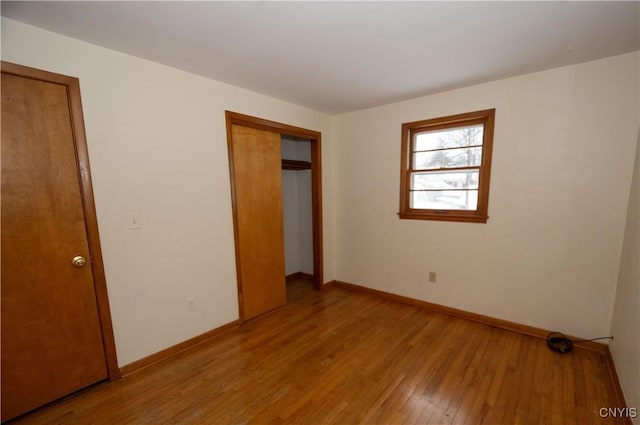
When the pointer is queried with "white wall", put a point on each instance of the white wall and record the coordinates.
(305, 221)
(291, 223)
(562, 163)
(157, 146)
(296, 199)
(625, 325)
(548, 257)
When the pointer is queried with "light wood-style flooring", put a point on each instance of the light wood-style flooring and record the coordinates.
(343, 357)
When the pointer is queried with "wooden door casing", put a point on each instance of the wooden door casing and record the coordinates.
(56, 327)
(296, 133)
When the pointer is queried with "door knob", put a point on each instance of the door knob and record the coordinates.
(78, 261)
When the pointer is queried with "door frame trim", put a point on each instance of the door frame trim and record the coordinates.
(72, 85)
(315, 137)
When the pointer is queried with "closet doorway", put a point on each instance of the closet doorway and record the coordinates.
(296, 208)
(255, 166)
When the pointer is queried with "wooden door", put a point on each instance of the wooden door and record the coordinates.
(52, 341)
(256, 163)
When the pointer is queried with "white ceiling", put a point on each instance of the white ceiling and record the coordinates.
(337, 57)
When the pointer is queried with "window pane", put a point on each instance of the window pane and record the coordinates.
(449, 138)
(466, 157)
(445, 200)
(445, 180)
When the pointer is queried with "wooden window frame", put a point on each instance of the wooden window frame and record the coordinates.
(409, 130)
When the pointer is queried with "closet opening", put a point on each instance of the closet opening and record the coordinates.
(296, 209)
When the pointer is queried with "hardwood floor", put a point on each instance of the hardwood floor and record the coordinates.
(342, 357)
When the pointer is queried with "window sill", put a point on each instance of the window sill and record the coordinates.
(444, 216)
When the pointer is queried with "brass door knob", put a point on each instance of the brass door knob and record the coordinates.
(78, 261)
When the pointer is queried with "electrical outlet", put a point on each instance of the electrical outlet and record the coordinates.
(433, 277)
(134, 221)
(191, 304)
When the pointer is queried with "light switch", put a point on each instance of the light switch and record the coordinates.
(134, 221)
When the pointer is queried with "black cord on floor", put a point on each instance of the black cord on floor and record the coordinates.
(561, 344)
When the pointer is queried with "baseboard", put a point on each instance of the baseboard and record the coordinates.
(172, 351)
(479, 318)
(298, 275)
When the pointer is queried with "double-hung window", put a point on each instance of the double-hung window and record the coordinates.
(446, 165)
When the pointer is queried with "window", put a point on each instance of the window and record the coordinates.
(446, 165)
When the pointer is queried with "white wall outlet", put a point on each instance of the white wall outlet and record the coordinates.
(134, 221)
(191, 304)
(433, 277)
